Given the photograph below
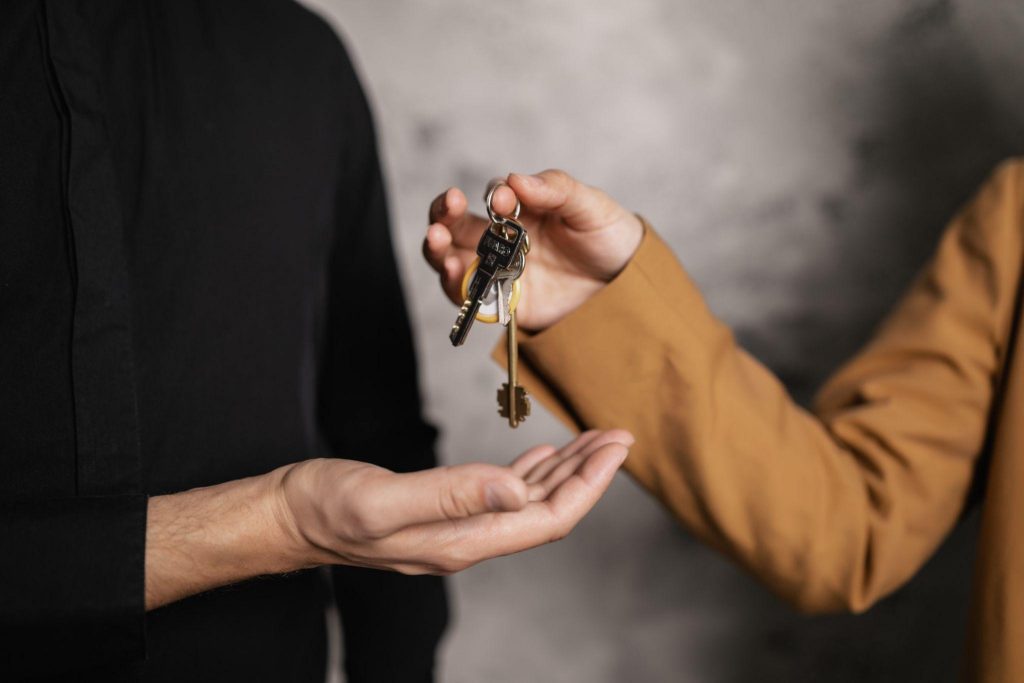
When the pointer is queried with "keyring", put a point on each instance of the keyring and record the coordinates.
(491, 213)
(488, 311)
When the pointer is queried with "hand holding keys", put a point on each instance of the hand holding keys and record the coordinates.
(582, 239)
(493, 279)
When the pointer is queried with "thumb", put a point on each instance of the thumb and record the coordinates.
(442, 493)
(581, 206)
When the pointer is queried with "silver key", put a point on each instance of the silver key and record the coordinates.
(503, 288)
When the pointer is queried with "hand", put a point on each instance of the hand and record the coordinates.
(443, 520)
(580, 240)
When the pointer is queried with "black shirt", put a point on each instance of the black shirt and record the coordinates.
(196, 284)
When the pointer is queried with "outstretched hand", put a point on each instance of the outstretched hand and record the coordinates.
(580, 240)
(445, 519)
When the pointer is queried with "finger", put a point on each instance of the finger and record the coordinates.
(543, 468)
(568, 466)
(448, 207)
(448, 261)
(565, 469)
(436, 244)
(574, 497)
(392, 502)
(452, 275)
(486, 536)
(466, 231)
(504, 201)
(540, 490)
(559, 192)
(525, 462)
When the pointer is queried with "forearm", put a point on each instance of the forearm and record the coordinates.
(334, 511)
(831, 511)
(719, 442)
(213, 536)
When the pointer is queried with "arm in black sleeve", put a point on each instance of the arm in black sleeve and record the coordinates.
(369, 409)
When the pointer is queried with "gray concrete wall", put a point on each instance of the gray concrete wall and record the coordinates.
(801, 157)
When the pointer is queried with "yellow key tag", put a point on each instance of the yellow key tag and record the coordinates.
(488, 312)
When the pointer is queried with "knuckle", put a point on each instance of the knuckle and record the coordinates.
(565, 182)
(452, 504)
(558, 175)
(454, 501)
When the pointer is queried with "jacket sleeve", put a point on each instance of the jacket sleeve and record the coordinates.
(369, 409)
(835, 509)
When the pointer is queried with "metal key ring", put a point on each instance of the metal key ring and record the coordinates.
(491, 213)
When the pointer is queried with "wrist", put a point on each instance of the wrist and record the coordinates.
(215, 535)
(630, 234)
(617, 251)
(288, 530)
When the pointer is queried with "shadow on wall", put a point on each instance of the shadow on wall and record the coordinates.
(937, 135)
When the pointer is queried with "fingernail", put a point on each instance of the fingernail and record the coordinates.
(500, 498)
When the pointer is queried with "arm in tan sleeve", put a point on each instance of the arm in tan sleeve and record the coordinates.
(832, 510)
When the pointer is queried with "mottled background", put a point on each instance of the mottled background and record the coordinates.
(801, 157)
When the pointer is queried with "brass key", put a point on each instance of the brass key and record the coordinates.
(513, 401)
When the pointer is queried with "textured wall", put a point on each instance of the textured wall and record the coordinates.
(801, 157)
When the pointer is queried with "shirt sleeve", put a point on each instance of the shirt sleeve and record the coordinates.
(369, 409)
(71, 583)
(831, 509)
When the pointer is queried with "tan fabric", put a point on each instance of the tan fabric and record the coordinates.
(835, 509)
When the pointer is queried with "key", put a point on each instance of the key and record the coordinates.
(513, 401)
(488, 311)
(497, 252)
(503, 287)
(506, 285)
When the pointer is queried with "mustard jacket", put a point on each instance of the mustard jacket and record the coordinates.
(836, 508)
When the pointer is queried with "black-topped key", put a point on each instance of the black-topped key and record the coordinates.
(497, 253)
